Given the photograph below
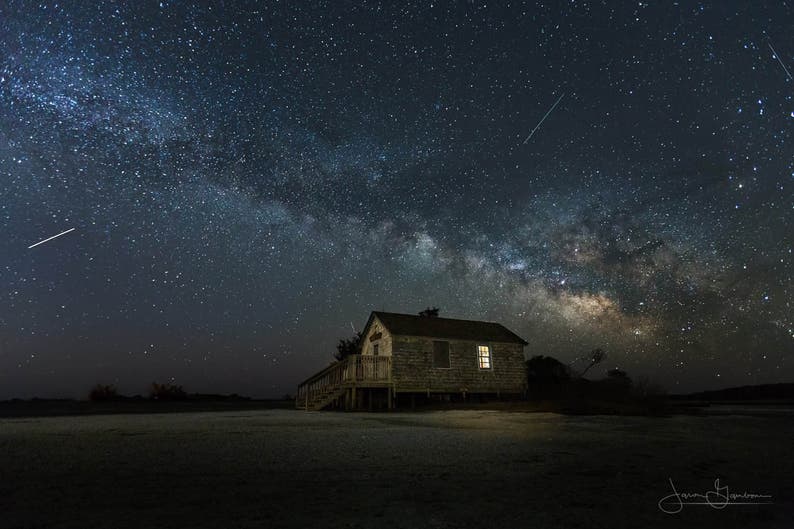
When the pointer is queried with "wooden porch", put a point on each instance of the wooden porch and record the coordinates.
(351, 384)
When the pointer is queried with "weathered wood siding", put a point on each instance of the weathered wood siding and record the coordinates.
(412, 367)
(384, 341)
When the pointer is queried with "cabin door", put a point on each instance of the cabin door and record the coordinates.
(372, 366)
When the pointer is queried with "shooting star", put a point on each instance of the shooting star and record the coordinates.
(544, 118)
(777, 56)
(51, 238)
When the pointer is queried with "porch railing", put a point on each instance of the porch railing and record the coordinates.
(354, 370)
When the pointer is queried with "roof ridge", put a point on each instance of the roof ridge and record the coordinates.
(435, 317)
(416, 325)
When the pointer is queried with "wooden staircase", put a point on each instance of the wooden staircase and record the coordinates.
(331, 384)
(323, 399)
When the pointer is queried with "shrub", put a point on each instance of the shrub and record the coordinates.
(547, 377)
(103, 392)
(166, 392)
(348, 346)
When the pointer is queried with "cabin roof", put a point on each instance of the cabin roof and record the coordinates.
(414, 325)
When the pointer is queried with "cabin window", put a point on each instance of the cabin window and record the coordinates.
(375, 348)
(441, 354)
(484, 356)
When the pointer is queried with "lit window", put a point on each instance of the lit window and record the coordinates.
(484, 356)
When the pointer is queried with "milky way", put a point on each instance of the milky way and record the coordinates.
(247, 180)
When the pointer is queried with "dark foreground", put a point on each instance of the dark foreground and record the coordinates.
(282, 468)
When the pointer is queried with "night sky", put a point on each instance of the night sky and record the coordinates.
(247, 181)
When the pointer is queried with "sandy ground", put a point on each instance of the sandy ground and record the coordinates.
(284, 468)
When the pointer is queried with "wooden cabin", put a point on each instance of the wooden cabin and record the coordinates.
(404, 357)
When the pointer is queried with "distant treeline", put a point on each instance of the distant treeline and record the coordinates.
(783, 391)
(157, 392)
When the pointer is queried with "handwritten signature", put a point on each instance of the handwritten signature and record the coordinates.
(719, 498)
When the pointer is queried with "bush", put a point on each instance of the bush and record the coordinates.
(348, 346)
(166, 392)
(616, 386)
(103, 392)
(547, 377)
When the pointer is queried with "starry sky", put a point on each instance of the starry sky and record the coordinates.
(248, 180)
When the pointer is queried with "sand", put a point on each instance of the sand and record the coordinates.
(442, 469)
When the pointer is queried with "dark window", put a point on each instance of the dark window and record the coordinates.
(375, 349)
(441, 354)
